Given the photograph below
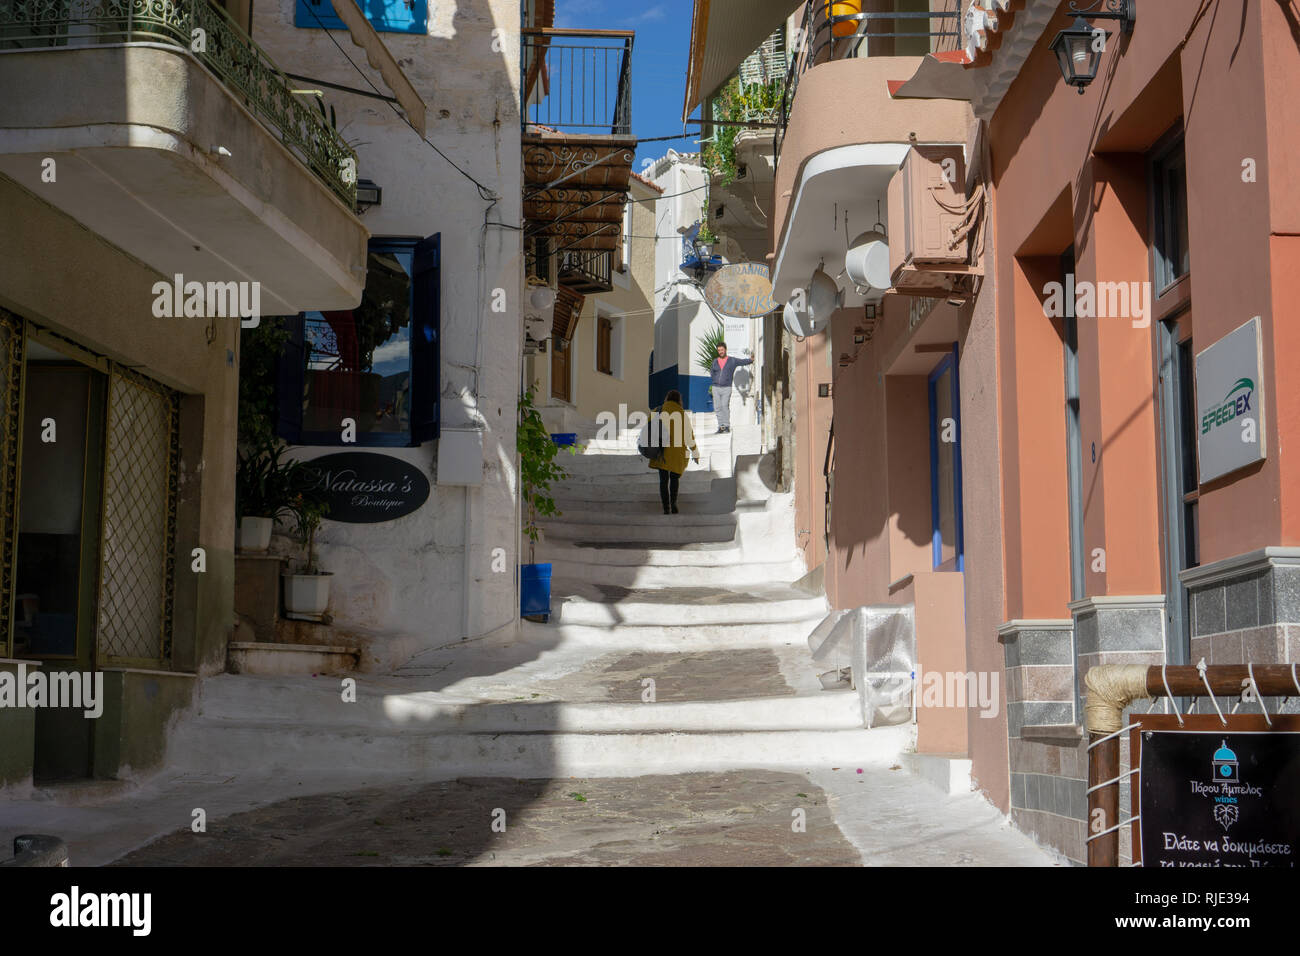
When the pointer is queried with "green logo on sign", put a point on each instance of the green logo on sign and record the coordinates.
(1231, 407)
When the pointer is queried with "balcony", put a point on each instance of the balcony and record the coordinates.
(836, 150)
(586, 272)
(576, 106)
(176, 139)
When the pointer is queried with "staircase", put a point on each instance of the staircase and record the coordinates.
(676, 643)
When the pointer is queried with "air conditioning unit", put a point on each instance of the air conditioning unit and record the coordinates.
(927, 207)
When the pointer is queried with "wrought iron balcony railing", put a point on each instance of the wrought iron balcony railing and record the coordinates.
(577, 80)
(595, 268)
(216, 41)
(827, 36)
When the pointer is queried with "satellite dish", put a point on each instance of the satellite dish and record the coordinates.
(802, 324)
(824, 297)
(867, 262)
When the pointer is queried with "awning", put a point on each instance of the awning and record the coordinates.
(940, 76)
(364, 36)
(723, 33)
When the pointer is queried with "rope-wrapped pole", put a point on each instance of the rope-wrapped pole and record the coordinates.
(1111, 688)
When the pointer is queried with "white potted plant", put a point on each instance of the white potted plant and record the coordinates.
(307, 589)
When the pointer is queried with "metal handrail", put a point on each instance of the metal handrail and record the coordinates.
(820, 45)
(225, 50)
(597, 266)
(576, 86)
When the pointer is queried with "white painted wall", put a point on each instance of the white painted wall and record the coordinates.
(679, 308)
(426, 579)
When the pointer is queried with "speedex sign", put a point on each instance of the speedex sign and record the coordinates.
(1230, 403)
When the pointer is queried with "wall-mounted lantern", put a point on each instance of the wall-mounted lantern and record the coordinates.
(368, 194)
(1077, 51)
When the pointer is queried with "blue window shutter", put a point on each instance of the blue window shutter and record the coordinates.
(289, 384)
(426, 329)
(386, 16)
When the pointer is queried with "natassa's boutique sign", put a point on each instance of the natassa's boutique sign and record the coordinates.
(363, 488)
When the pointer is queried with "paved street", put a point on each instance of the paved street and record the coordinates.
(739, 818)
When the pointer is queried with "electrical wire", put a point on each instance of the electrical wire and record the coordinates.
(484, 192)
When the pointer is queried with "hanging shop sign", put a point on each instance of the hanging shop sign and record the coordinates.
(363, 488)
(743, 289)
(1210, 795)
(1230, 403)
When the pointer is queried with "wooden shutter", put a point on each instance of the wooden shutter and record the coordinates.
(604, 336)
(386, 16)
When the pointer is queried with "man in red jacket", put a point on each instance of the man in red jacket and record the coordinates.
(722, 371)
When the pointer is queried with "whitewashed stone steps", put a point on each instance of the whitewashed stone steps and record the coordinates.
(620, 516)
(377, 709)
(442, 755)
(706, 555)
(686, 635)
(641, 504)
(648, 576)
(584, 602)
(656, 535)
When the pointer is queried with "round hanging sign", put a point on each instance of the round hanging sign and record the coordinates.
(742, 289)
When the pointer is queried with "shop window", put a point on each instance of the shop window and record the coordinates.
(945, 465)
(386, 16)
(1172, 259)
(377, 365)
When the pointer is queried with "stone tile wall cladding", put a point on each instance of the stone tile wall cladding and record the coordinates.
(1247, 609)
(1047, 772)
(1048, 753)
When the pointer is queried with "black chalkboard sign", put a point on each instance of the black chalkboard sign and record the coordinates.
(1216, 796)
(363, 488)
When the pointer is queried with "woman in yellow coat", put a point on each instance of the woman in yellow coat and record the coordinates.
(675, 437)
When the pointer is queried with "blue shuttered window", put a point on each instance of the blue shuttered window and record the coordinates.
(386, 16)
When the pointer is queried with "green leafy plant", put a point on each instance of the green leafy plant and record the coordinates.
(706, 234)
(707, 350)
(308, 509)
(259, 349)
(537, 468)
(755, 102)
(265, 483)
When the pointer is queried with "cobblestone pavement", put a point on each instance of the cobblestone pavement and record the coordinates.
(713, 819)
(882, 817)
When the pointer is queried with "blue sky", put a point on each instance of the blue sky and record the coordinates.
(663, 39)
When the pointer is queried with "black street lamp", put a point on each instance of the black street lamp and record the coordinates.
(1076, 52)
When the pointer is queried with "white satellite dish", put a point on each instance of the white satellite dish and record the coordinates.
(867, 262)
(824, 297)
(799, 324)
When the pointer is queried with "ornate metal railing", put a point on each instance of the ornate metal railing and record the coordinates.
(216, 41)
(824, 36)
(595, 267)
(577, 79)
